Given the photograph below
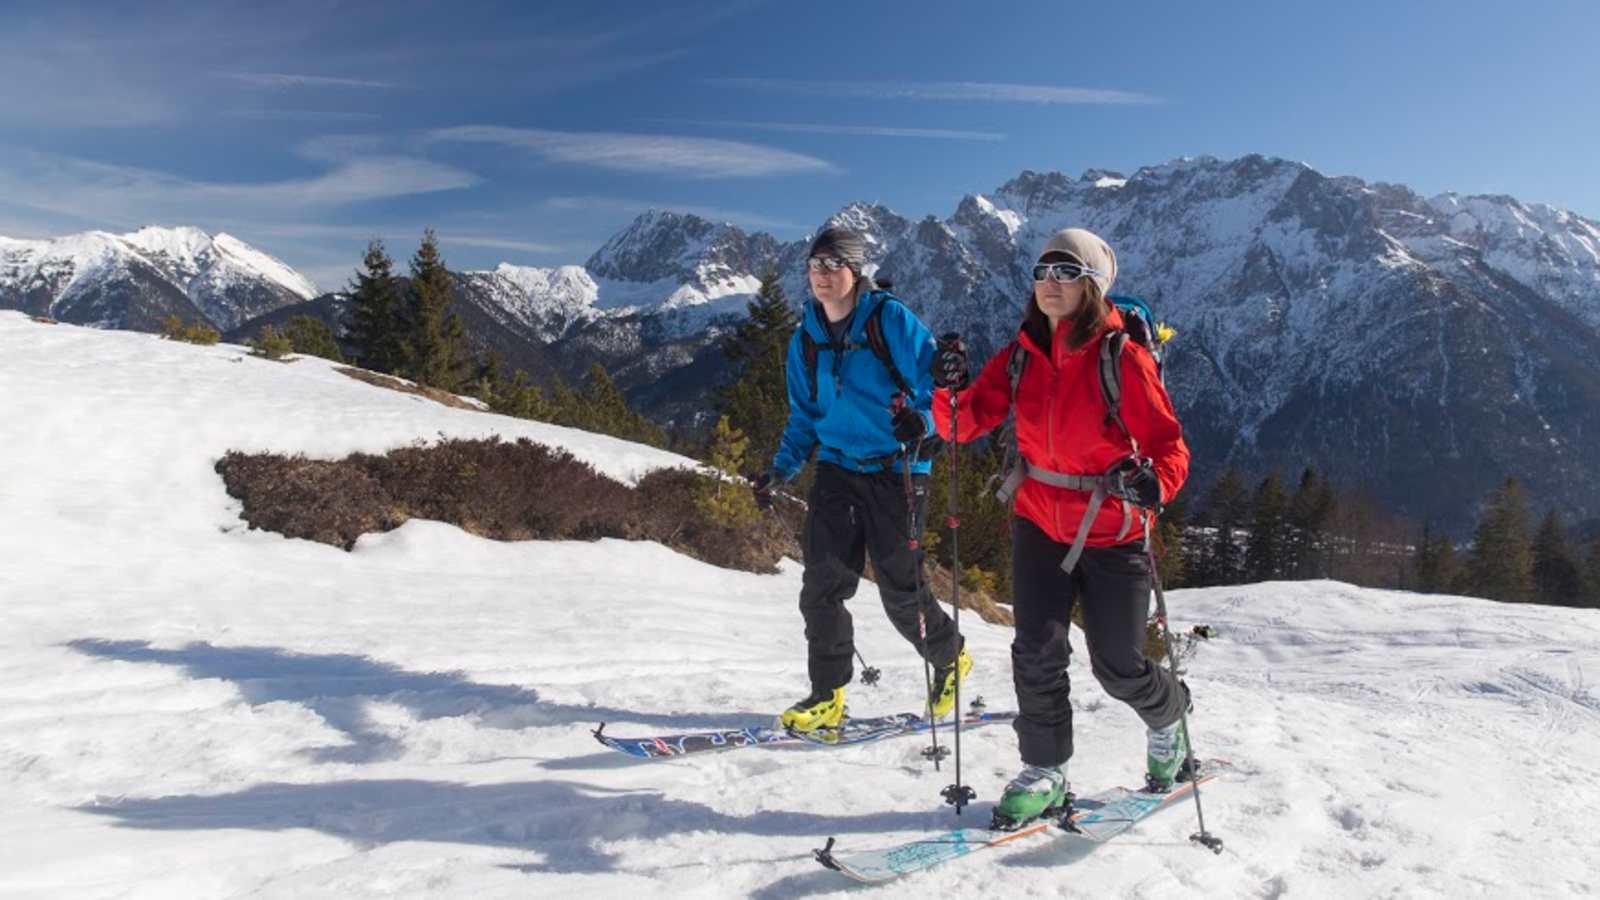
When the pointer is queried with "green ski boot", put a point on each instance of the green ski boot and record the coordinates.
(1166, 752)
(1037, 791)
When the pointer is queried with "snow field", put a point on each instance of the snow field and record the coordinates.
(192, 709)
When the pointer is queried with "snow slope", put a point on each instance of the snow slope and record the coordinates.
(191, 709)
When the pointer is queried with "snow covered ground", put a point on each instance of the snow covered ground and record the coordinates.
(192, 709)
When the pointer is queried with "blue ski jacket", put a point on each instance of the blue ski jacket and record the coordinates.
(850, 422)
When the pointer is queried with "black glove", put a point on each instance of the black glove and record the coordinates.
(762, 486)
(909, 426)
(950, 363)
(1139, 483)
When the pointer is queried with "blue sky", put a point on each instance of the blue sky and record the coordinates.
(531, 132)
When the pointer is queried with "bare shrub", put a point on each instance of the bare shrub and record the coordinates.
(331, 502)
(502, 490)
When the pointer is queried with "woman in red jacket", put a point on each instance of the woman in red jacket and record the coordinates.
(1090, 483)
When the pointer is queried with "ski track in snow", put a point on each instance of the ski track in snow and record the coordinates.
(189, 708)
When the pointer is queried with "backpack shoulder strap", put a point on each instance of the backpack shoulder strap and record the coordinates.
(808, 351)
(880, 347)
(1015, 363)
(1111, 347)
(1012, 468)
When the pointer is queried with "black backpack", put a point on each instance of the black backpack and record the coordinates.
(873, 330)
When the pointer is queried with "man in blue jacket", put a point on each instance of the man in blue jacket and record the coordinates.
(860, 389)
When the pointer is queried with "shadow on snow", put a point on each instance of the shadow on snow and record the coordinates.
(563, 821)
(339, 687)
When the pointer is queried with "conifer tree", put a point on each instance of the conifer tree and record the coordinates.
(1226, 507)
(489, 380)
(1264, 551)
(520, 397)
(1311, 512)
(1591, 575)
(723, 500)
(756, 400)
(271, 344)
(605, 409)
(1557, 572)
(1501, 564)
(377, 325)
(438, 343)
(1436, 567)
(1170, 529)
(312, 336)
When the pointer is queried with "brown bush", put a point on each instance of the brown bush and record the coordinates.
(492, 488)
(668, 513)
(506, 491)
(331, 502)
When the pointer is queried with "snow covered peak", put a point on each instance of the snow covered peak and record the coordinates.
(686, 249)
(96, 277)
(251, 259)
(183, 242)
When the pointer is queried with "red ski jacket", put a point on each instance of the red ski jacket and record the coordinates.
(1061, 426)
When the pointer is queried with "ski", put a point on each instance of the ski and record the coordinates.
(850, 733)
(1098, 817)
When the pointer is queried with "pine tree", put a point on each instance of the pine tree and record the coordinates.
(439, 354)
(1557, 574)
(1226, 506)
(1310, 515)
(520, 397)
(1264, 553)
(723, 500)
(377, 325)
(1501, 565)
(312, 336)
(756, 400)
(1591, 575)
(489, 380)
(271, 344)
(604, 408)
(1170, 529)
(1434, 562)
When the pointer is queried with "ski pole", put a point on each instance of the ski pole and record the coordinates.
(914, 544)
(958, 794)
(869, 674)
(1203, 837)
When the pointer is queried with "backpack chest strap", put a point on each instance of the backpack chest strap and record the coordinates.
(1098, 487)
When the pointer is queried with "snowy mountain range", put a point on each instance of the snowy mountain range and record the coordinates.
(134, 280)
(1424, 348)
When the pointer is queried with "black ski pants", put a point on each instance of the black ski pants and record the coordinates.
(851, 515)
(1112, 585)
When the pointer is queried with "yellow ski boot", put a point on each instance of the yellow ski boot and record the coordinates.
(943, 700)
(824, 709)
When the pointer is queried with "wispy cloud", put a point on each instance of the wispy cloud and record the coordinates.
(649, 154)
(494, 243)
(969, 91)
(111, 195)
(621, 206)
(299, 115)
(396, 234)
(281, 80)
(851, 130)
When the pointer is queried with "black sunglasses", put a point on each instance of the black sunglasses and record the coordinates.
(830, 263)
(1062, 272)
